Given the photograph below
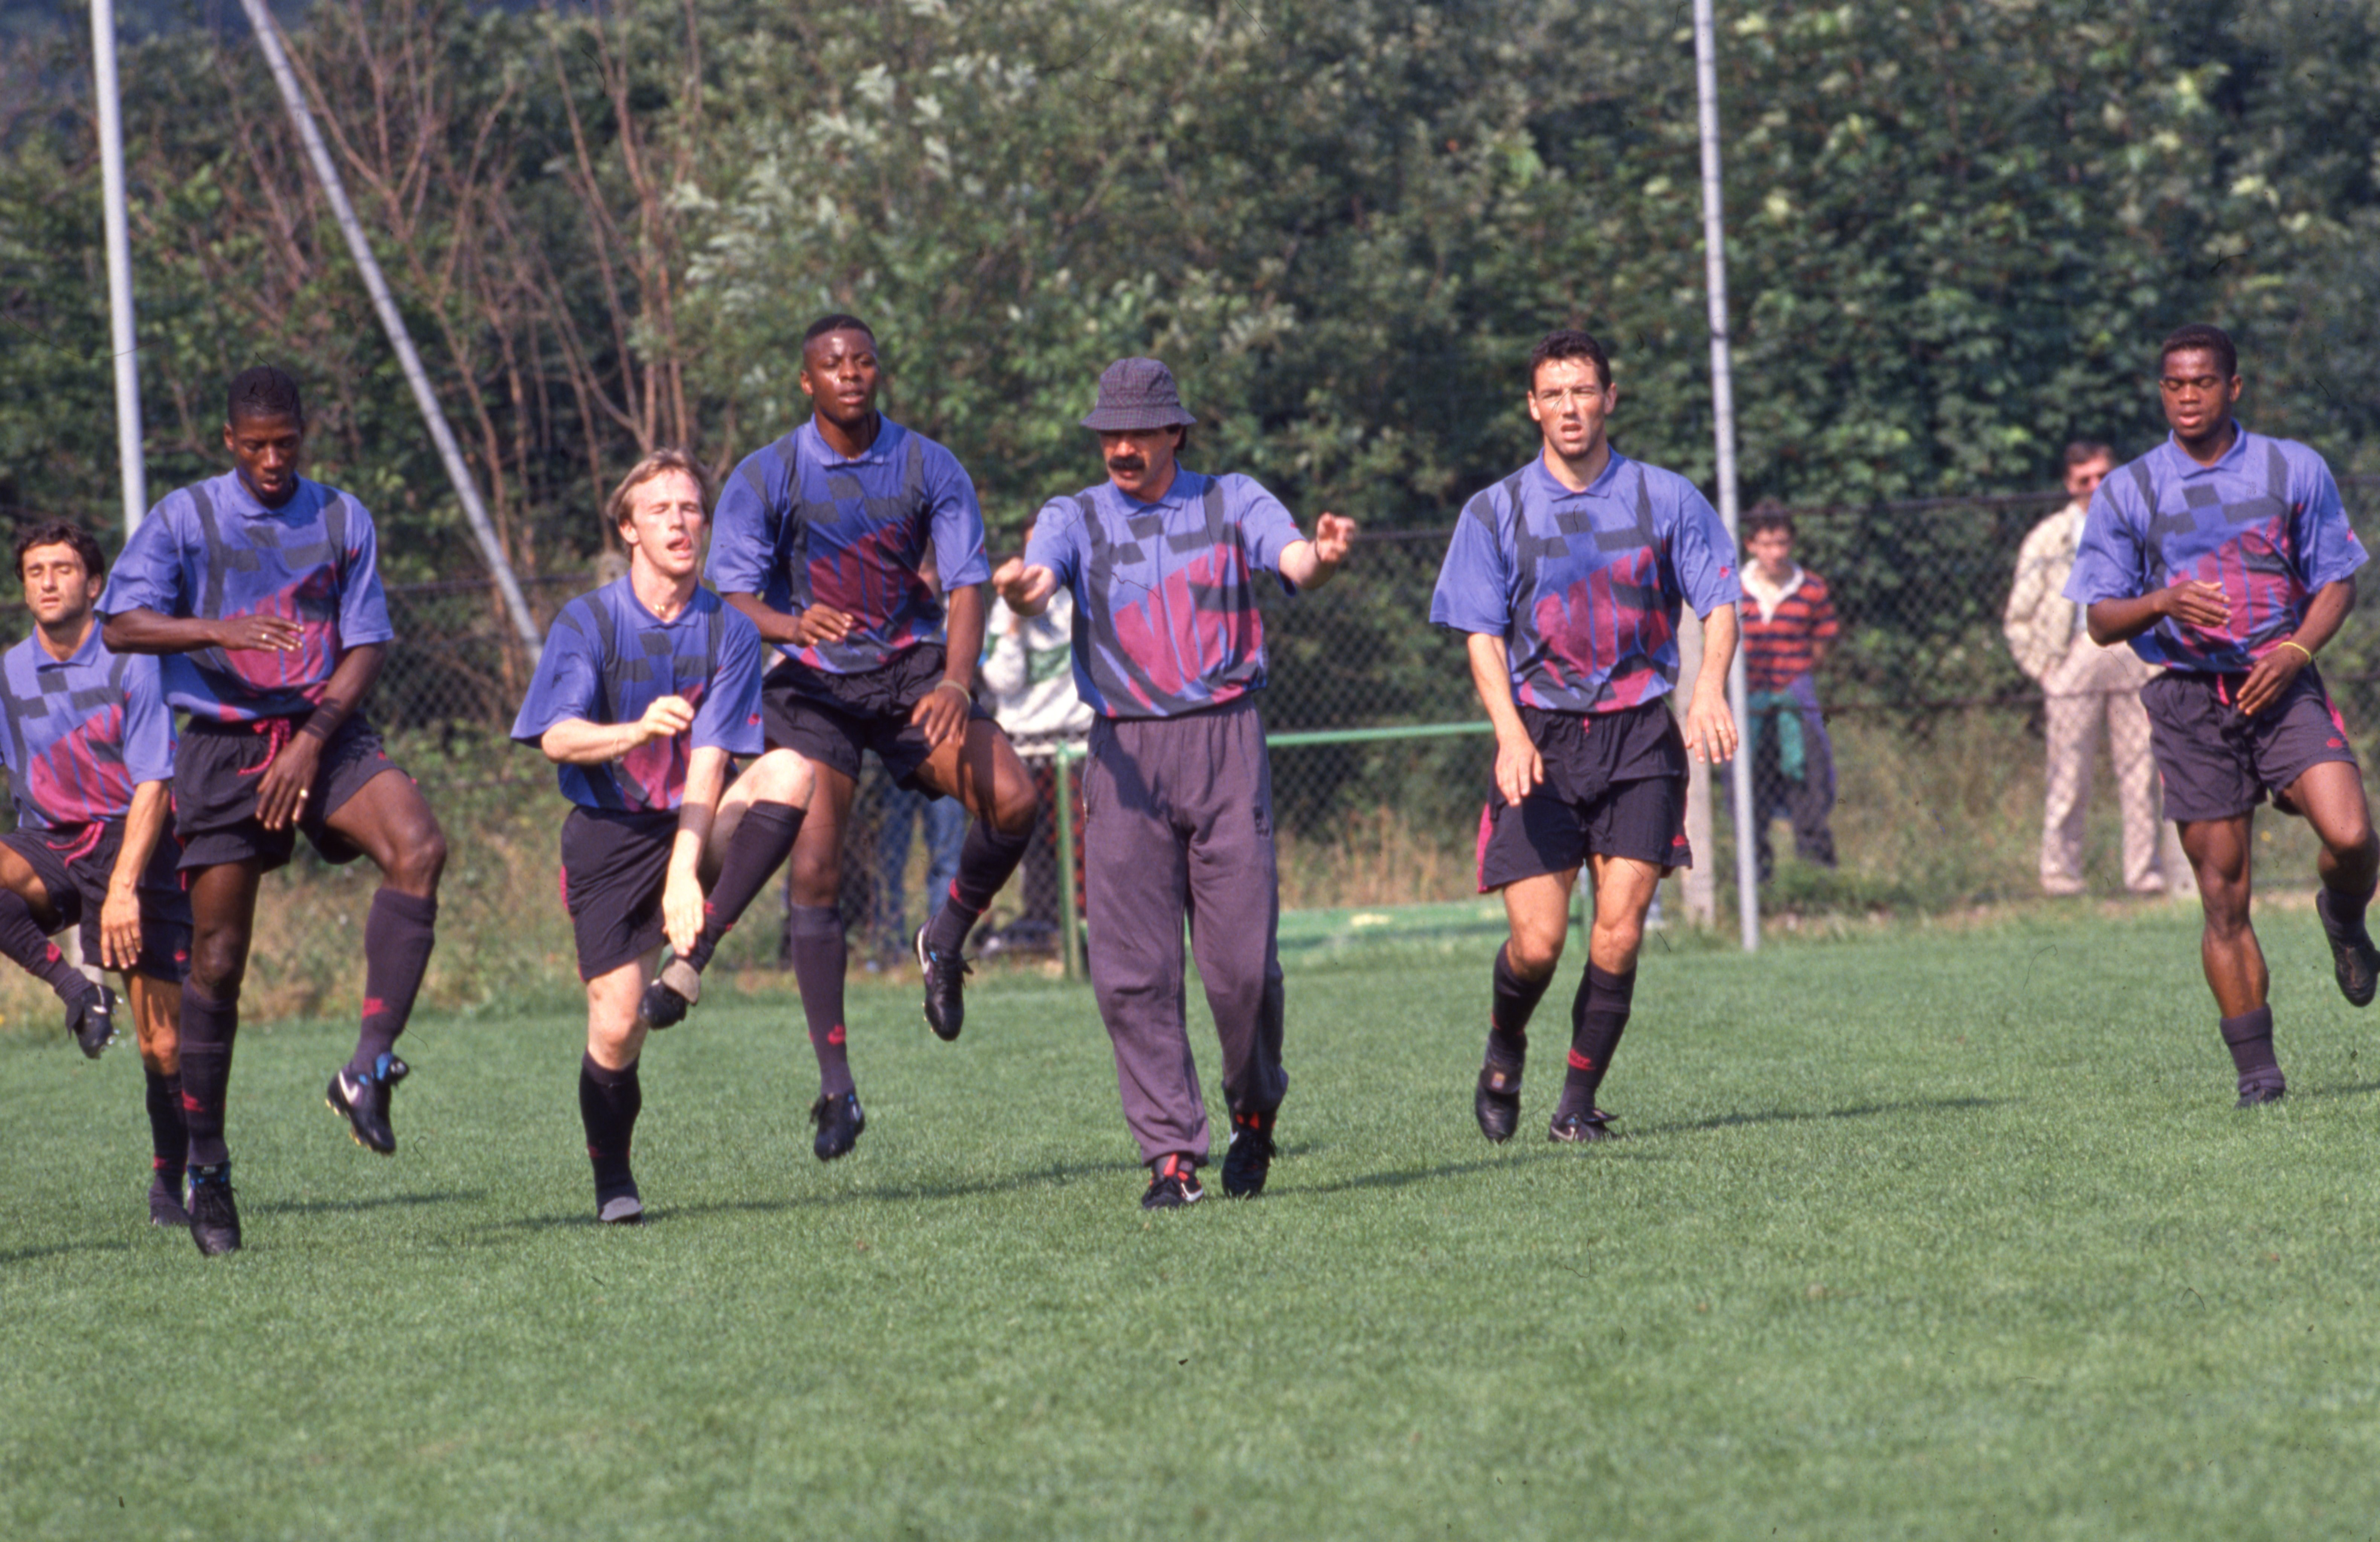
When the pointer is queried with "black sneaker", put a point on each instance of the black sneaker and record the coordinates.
(945, 989)
(214, 1219)
(677, 987)
(2352, 957)
(1577, 1128)
(839, 1121)
(91, 1017)
(1497, 1102)
(364, 1100)
(2257, 1096)
(1172, 1184)
(1249, 1160)
(165, 1208)
(623, 1207)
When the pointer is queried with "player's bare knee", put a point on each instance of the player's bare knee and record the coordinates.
(782, 776)
(1534, 956)
(1015, 809)
(219, 966)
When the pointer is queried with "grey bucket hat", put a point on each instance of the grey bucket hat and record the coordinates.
(1138, 393)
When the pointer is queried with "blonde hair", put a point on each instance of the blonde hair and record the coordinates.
(666, 459)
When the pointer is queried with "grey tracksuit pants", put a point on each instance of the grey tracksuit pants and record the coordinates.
(1177, 824)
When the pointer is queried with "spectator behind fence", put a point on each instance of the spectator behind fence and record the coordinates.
(1028, 681)
(2083, 686)
(1788, 625)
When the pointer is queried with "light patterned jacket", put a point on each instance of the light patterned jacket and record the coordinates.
(2045, 628)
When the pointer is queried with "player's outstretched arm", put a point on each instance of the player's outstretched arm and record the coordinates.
(1311, 565)
(146, 631)
(119, 913)
(1026, 589)
(706, 776)
(1518, 767)
(2190, 602)
(577, 742)
(1710, 728)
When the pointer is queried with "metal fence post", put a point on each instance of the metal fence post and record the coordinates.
(1070, 947)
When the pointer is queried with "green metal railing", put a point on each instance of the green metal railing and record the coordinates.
(1070, 926)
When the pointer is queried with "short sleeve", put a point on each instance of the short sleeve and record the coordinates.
(148, 723)
(741, 551)
(2107, 559)
(2328, 549)
(1700, 552)
(148, 575)
(729, 717)
(1265, 525)
(957, 521)
(564, 688)
(363, 603)
(1056, 542)
(1474, 582)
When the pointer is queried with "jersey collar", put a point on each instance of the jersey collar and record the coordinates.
(814, 444)
(83, 657)
(2230, 460)
(1550, 486)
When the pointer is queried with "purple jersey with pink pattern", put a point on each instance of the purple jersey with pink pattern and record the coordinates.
(2264, 521)
(608, 659)
(81, 733)
(1165, 601)
(1584, 586)
(212, 550)
(799, 526)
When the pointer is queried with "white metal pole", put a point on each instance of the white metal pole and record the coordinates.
(123, 344)
(393, 323)
(1747, 869)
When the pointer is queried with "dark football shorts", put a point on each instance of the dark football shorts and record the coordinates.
(217, 766)
(1614, 786)
(2217, 762)
(614, 864)
(828, 719)
(74, 865)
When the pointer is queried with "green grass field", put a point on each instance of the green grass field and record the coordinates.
(1928, 1233)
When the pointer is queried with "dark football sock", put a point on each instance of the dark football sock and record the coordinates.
(986, 859)
(820, 957)
(2249, 1038)
(398, 936)
(1598, 1015)
(22, 939)
(609, 1101)
(1507, 1019)
(208, 1027)
(169, 1133)
(762, 842)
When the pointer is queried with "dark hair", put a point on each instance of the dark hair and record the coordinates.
(60, 532)
(666, 459)
(2199, 334)
(838, 322)
(2084, 451)
(1568, 344)
(1767, 515)
(263, 392)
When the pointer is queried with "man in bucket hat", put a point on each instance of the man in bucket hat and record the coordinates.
(1177, 797)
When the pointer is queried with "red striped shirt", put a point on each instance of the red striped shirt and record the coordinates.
(1784, 647)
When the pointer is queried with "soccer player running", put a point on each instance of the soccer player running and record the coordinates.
(822, 538)
(2225, 556)
(1567, 577)
(262, 588)
(1177, 795)
(646, 687)
(89, 743)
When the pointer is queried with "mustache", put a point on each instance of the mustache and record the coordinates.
(1128, 463)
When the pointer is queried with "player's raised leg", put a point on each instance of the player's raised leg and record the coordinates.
(758, 823)
(27, 917)
(388, 818)
(981, 768)
(2331, 797)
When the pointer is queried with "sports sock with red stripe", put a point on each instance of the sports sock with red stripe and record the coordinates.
(609, 1101)
(208, 1028)
(764, 840)
(398, 935)
(986, 859)
(1508, 1018)
(821, 955)
(1598, 1015)
(169, 1134)
(22, 939)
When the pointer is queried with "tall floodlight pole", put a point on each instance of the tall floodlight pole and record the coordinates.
(1747, 869)
(122, 341)
(393, 323)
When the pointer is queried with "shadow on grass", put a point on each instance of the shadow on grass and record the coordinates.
(27, 1254)
(386, 1202)
(1860, 1111)
(894, 1194)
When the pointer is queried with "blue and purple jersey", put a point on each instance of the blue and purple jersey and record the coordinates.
(799, 526)
(1165, 602)
(2264, 521)
(212, 550)
(81, 733)
(608, 659)
(1584, 586)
